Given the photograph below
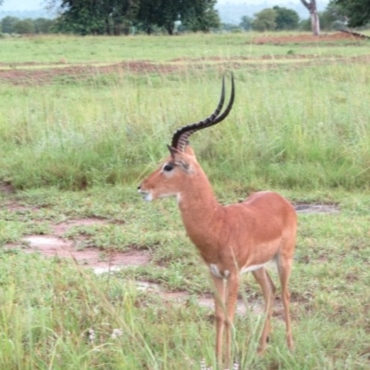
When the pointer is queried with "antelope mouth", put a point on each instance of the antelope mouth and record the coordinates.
(146, 195)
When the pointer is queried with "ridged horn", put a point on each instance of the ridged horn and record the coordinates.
(180, 137)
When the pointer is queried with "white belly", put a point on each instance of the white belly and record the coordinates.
(225, 274)
(216, 272)
(252, 268)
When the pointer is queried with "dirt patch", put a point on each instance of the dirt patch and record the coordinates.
(310, 39)
(34, 73)
(16, 207)
(243, 307)
(73, 74)
(63, 227)
(243, 58)
(49, 75)
(100, 261)
(207, 301)
(6, 188)
(107, 261)
(68, 75)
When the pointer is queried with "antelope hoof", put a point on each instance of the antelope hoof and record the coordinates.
(261, 349)
(291, 345)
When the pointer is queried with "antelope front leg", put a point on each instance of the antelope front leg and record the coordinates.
(219, 296)
(231, 298)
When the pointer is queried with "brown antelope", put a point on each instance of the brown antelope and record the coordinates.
(231, 239)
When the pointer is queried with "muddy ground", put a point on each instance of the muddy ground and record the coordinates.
(55, 245)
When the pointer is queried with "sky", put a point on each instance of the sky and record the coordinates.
(39, 4)
(22, 5)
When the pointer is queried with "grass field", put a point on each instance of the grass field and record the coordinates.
(82, 120)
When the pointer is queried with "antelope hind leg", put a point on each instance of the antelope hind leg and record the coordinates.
(268, 290)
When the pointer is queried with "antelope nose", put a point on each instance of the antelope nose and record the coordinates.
(139, 187)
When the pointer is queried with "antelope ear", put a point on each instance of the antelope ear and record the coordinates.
(189, 150)
(179, 158)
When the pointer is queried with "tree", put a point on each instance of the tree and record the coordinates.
(80, 17)
(115, 16)
(357, 11)
(147, 15)
(93, 16)
(43, 25)
(335, 15)
(315, 21)
(195, 15)
(24, 26)
(246, 23)
(199, 15)
(7, 24)
(329, 20)
(167, 14)
(286, 19)
(265, 20)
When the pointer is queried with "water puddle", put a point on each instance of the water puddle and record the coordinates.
(99, 261)
(243, 307)
(308, 208)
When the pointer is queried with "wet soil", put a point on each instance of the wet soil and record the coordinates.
(206, 301)
(54, 245)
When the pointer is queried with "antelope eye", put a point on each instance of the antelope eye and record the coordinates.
(168, 167)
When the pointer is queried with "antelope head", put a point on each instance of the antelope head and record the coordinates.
(181, 168)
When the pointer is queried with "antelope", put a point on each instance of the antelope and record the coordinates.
(231, 239)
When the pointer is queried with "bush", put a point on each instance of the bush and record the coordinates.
(265, 20)
(286, 19)
(7, 24)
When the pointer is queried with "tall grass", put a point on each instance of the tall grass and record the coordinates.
(57, 315)
(100, 49)
(290, 127)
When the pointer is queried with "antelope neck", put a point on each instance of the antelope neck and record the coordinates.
(198, 207)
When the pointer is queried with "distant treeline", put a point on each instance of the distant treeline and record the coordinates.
(115, 17)
(27, 26)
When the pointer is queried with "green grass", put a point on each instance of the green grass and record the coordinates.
(78, 147)
(49, 305)
(74, 49)
(290, 126)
